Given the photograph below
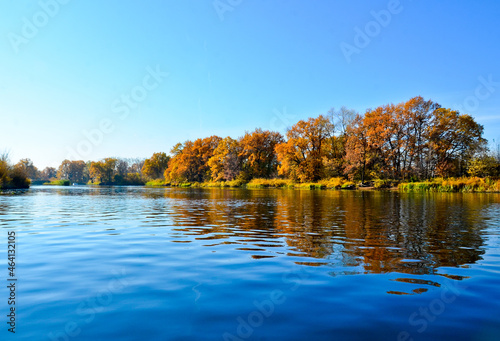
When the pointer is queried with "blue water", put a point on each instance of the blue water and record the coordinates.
(135, 263)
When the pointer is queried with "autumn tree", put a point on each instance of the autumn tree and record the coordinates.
(454, 139)
(122, 168)
(301, 157)
(28, 168)
(175, 169)
(483, 165)
(190, 160)
(48, 173)
(386, 137)
(103, 171)
(135, 165)
(155, 166)
(416, 139)
(334, 146)
(359, 152)
(257, 153)
(417, 119)
(342, 119)
(399, 136)
(96, 172)
(12, 176)
(225, 164)
(73, 171)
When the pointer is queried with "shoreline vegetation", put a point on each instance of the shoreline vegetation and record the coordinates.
(12, 177)
(57, 183)
(465, 185)
(415, 145)
(334, 183)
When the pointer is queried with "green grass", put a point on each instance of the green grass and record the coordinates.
(471, 184)
(232, 184)
(332, 183)
(270, 183)
(382, 184)
(348, 185)
(309, 185)
(58, 183)
(157, 183)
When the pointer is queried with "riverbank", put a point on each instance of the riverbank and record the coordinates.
(57, 183)
(471, 184)
(334, 183)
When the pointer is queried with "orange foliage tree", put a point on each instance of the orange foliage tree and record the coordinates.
(190, 160)
(103, 171)
(413, 139)
(73, 171)
(257, 153)
(454, 139)
(155, 166)
(225, 164)
(359, 153)
(301, 156)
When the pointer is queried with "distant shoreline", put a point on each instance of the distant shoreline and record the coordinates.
(415, 187)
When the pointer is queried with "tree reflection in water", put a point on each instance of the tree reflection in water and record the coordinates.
(351, 231)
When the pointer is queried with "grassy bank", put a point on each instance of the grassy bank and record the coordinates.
(334, 183)
(472, 184)
(134, 181)
(163, 183)
(57, 183)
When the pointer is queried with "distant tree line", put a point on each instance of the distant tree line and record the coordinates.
(413, 140)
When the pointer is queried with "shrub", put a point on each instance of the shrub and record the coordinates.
(384, 183)
(473, 184)
(275, 183)
(157, 183)
(12, 177)
(348, 185)
(62, 182)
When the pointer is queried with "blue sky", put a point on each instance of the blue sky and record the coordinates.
(92, 79)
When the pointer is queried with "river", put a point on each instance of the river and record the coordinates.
(136, 263)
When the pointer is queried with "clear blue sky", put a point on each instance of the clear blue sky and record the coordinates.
(258, 63)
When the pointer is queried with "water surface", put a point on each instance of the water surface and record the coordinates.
(133, 263)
